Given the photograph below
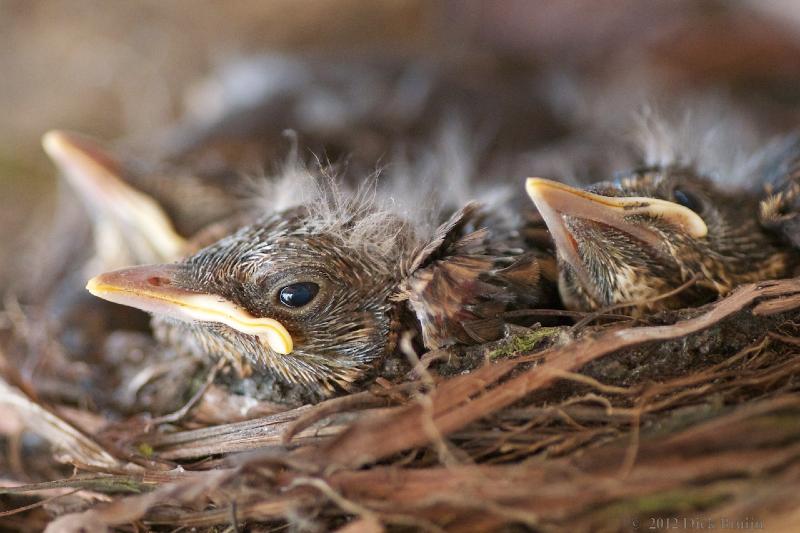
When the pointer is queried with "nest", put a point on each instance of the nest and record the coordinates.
(689, 419)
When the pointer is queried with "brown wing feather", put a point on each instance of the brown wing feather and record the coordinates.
(464, 280)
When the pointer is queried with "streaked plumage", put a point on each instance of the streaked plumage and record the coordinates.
(376, 273)
(632, 241)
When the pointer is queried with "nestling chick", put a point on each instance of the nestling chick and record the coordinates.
(780, 209)
(632, 241)
(129, 226)
(317, 295)
(140, 215)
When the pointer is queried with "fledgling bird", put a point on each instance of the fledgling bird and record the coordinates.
(780, 209)
(127, 227)
(634, 241)
(138, 215)
(317, 294)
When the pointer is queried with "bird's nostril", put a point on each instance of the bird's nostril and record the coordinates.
(157, 281)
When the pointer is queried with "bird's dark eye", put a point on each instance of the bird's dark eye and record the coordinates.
(298, 294)
(687, 199)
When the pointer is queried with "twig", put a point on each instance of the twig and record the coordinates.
(371, 440)
(606, 310)
(77, 446)
(37, 504)
(520, 313)
(633, 449)
(794, 341)
(359, 400)
(173, 417)
(424, 400)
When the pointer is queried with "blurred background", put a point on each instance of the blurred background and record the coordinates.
(167, 79)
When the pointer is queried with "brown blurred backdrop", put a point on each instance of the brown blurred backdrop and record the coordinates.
(116, 69)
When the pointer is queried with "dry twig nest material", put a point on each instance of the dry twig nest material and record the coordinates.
(556, 430)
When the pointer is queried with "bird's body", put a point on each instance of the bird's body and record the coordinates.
(637, 241)
(317, 295)
(419, 133)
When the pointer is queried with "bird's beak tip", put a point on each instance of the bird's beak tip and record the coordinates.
(545, 193)
(64, 147)
(78, 154)
(534, 181)
(93, 286)
(101, 286)
(537, 188)
(54, 142)
(532, 185)
(119, 285)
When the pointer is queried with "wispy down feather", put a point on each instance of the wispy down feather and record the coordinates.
(409, 196)
(707, 135)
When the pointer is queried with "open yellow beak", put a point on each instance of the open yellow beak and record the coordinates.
(151, 288)
(121, 212)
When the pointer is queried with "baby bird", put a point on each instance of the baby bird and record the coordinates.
(128, 225)
(139, 216)
(780, 209)
(318, 294)
(637, 240)
(136, 217)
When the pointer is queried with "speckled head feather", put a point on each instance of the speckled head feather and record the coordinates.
(346, 249)
(340, 331)
(644, 235)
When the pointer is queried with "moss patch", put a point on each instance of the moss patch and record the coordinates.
(523, 343)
